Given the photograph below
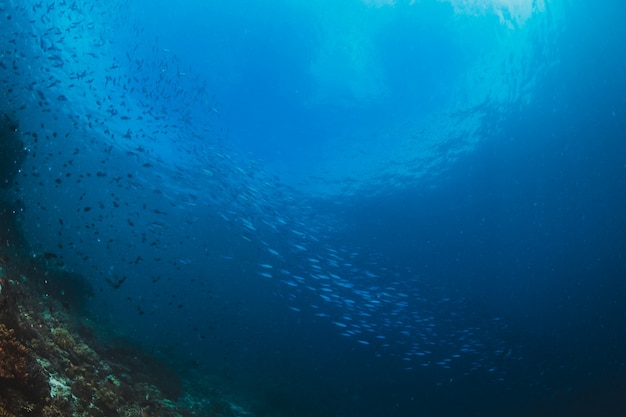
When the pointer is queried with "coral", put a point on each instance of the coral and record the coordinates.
(5, 413)
(63, 338)
(22, 381)
(83, 391)
(56, 408)
(50, 367)
(106, 397)
(12, 355)
(50, 411)
(86, 354)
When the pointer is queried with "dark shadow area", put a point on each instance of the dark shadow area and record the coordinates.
(12, 152)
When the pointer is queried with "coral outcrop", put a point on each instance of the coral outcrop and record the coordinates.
(23, 383)
(52, 365)
(54, 361)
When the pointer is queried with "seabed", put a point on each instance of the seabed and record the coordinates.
(55, 361)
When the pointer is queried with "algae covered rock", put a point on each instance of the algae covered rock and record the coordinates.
(22, 381)
(63, 338)
(12, 356)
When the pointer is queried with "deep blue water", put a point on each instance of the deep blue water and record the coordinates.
(338, 208)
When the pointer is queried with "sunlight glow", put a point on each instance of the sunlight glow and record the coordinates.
(379, 3)
(512, 13)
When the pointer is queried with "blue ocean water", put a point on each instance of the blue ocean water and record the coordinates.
(348, 208)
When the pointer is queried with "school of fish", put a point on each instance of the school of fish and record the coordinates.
(129, 180)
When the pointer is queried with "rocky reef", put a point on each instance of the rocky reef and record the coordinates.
(56, 361)
(48, 367)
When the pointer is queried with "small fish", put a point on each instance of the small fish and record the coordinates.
(248, 225)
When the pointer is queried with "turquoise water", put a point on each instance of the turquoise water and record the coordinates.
(337, 207)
